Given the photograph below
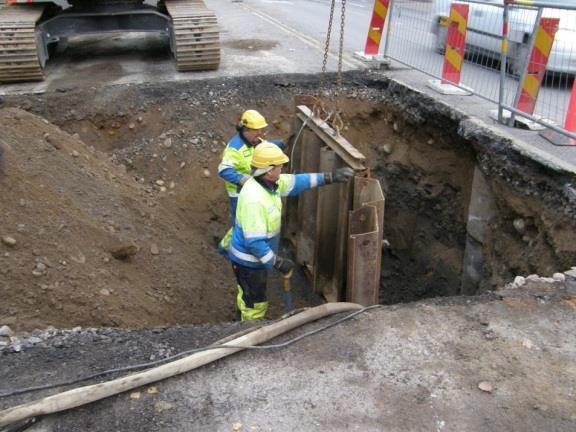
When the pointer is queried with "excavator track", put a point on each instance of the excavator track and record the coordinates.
(195, 35)
(19, 59)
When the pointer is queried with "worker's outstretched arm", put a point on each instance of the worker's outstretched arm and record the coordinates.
(295, 184)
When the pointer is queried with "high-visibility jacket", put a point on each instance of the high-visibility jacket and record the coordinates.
(256, 232)
(235, 164)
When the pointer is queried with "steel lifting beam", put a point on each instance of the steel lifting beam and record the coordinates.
(346, 151)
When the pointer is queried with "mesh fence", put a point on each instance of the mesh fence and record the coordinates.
(417, 37)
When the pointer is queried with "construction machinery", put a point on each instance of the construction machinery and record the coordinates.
(31, 29)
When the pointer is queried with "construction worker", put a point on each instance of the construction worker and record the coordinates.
(256, 231)
(235, 165)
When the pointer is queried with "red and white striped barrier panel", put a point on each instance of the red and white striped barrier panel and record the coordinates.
(559, 139)
(570, 124)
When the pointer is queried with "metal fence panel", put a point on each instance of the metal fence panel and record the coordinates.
(417, 33)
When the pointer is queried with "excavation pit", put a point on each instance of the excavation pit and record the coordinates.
(112, 199)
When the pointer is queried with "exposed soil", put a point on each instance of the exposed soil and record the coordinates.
(71, 211)
(92, 174)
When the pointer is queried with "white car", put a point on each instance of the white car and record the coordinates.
(485, 30)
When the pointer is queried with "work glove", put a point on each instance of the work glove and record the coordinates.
(243, 180)
(283, 265)
(341, 175)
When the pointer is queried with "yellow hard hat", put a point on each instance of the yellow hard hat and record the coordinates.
(267, 154)
(252, 119)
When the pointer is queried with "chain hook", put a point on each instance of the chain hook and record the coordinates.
(338, 123)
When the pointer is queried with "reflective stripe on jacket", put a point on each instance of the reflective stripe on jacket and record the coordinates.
(235, 164)
(256, 232)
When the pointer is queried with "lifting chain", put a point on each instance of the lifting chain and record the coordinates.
(320, 108)
(338, 124)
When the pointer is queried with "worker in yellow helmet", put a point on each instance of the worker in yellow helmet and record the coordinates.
(256, 231)
(235, 165)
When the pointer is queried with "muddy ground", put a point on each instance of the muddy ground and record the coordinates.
(111, 204)
(497, 362)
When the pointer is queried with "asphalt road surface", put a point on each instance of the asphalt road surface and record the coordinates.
(410, 42)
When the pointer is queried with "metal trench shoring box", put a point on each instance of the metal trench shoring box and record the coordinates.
(336, 230)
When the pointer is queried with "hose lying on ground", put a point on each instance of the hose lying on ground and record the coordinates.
(130, 368)
(218, 344)
(87, 394)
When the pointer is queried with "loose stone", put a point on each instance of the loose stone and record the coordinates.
(519, 225)
(6, 331)
(122, 252)
(519, 281)
(9, 241)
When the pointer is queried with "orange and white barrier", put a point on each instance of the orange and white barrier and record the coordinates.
(559, 139)
(455, 43)
(532, 78)
(570, 124)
